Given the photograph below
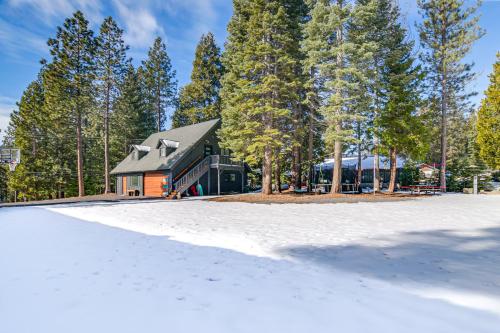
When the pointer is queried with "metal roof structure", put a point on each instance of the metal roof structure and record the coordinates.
(366, 162)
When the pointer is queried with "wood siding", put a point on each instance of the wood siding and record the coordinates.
(153, 183)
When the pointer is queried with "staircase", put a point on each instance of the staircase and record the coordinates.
(193, 175)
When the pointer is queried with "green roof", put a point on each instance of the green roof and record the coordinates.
(187, 137)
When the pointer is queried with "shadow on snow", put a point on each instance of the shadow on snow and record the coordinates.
(441, 258)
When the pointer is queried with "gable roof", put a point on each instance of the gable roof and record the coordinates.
(186, 136)
(141, 148)
(167, 143)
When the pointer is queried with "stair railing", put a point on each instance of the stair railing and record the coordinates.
(193, 175)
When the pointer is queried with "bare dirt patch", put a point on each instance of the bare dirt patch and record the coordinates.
(290, 197)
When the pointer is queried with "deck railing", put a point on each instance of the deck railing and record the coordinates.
(225, 160)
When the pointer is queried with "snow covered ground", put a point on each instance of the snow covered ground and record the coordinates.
(429, 265)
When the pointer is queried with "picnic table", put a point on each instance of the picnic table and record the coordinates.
(422, 188)
(346, 187)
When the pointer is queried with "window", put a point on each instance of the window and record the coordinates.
(163, 151)
(209, 150)
(225, 152)
(133, 181)
(230, 178)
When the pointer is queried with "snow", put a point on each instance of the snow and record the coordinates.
(427, 265)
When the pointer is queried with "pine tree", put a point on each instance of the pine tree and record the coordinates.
(111, 61)
(259, 84)
(199, 100)
(334, 58)
(312, 87)
(488, 121)
(467, 161)
(298, 15)
(3, 183)
(30, 131)
(133, 121)
(69, 80)
(373, 21)
(447, 33)
(399, 125)
(365, 30)
(160, 81)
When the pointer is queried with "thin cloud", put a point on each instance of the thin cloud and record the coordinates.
(203, 13)
(50, 10)
(17, 41)
(141, 26)
(7, 105)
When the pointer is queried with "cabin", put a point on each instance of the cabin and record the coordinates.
(177, 162)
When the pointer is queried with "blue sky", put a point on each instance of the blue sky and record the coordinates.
(25, 26)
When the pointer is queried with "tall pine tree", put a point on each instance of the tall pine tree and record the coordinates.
(69, 80)
(447, 33)
(28, 132)
(335, 60)
(364, 31)
(111, 61)
(488, 121)
(259, 84)
(399, 125)
(132, 117)
(160, 81)
(199, 100)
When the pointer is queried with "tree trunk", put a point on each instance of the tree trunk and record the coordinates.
(296, 176)
(444, 129)
(158, 110)
(376, 168)
(297, 148)
(360, 168)
(337, 168)
(277, 173)
(393, 161)
(310, 153)
(79, 155)
(107, 187)
(298, 184)
(359, 171)
(267, 171)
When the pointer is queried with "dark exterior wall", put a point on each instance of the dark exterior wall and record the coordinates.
(197, 153)
(226, 185)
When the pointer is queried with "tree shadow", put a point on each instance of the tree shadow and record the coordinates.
(444, 258)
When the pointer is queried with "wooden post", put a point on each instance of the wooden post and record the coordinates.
(242, 181)
(218, 181)
(475, 185)
(209, 172)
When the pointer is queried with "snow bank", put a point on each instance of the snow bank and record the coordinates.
(431, 265)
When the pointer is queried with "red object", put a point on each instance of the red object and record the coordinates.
(193, 190)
